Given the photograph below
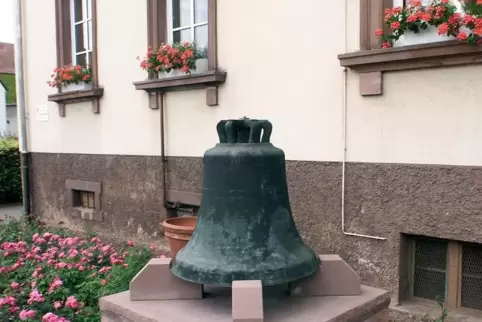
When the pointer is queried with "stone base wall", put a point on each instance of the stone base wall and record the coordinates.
(385, 200)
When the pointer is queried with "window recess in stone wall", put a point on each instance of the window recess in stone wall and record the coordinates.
(442, 270)
(412, 50)
(76, 75)
(190, 27)
(84, 199)
(182, 203)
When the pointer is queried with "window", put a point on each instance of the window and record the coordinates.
(81, 31)
(76, 30)
(184, 20)
(446, 270)
(188, 21)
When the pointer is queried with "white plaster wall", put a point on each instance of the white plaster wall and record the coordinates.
(281, 59)
(282, 65)
(279, 67)
(3, 110)
(429, 116)
(12, 126)
(125, 125)
(426, 116)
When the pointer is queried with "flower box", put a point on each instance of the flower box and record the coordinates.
(201, 66)
(178, 59)
(429, 21)
(424, 36)
(171, 73)
(72, 87)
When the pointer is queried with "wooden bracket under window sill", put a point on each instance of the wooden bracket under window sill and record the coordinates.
(371, 63)
(209, 80)
(92, 95)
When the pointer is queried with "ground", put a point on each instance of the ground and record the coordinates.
(14, 211)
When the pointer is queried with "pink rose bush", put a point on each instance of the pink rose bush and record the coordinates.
(52, 276)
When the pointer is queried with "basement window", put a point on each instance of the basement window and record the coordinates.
(443, 270)
(85, 199)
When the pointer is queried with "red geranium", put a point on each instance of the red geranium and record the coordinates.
(69, 74)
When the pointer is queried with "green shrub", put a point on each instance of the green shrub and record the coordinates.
(10, 180)
(52, 275)
(9, 81)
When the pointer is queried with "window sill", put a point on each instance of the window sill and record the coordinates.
(372, 63)
(421, 307)
(447, 53)
(209, 80)
(185, 82)
(64, 98)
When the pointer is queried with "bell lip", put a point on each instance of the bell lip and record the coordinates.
(228, 283)
(174, 224)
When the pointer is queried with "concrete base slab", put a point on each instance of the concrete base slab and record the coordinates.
(217, 307)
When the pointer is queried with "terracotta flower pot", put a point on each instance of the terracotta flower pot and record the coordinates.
(178, 232)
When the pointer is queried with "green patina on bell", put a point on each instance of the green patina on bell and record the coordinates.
(245, 229)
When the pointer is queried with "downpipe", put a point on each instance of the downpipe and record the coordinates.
(21, 114)
(167, 205)
(344, 139)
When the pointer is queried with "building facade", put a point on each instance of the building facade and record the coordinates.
(383, 145)
(3, 109)
(8, 110)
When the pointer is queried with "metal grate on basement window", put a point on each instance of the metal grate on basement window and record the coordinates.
(430, 271)
(85, 199)
(471, 296)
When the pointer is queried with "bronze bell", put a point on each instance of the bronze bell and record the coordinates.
(245, 229)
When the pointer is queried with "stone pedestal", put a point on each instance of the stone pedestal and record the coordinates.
(332, 294)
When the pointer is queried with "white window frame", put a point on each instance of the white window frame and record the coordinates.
(191, 26)
(422, 37)
(87, 32)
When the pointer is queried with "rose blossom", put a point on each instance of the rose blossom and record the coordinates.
(27, 314)
(72, 302)
(35, 296)
(57, 305)
(50, 317)
(56, 283)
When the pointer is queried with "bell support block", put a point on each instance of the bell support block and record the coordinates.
(334, 278)
(247, 299)
(155, 282)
